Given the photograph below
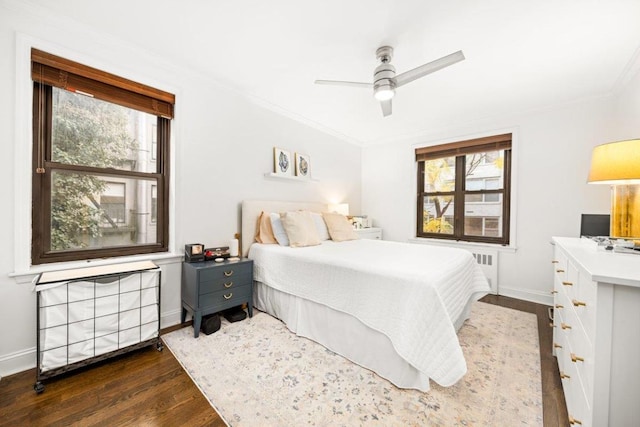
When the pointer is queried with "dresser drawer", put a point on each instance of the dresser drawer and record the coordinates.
(585, 305)
(240, 273)
(242, 278)
(227, 298)
(559, 264)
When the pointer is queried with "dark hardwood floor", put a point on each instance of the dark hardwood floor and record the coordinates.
(149, 387)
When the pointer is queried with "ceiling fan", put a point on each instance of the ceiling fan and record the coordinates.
(385, 80)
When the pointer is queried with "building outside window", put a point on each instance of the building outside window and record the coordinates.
(113, 203)
(93, 166)
(464, 190)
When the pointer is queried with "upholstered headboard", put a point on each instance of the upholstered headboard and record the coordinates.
(251, 210)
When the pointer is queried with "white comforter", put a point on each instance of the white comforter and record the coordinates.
(411, 293)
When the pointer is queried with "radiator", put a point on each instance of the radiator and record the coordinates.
(487, 259)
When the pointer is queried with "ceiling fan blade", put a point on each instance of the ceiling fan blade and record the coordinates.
(431, 67)
(386, 107)
(341, 83)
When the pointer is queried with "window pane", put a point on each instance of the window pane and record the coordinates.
(483, 219)
(91, 132)
(437, 215)
(112, 200)
(484, 171)
(90, 212)
(439, 174)
(154, 203)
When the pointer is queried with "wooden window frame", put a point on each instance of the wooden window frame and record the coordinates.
(459, 150)
(49, 71)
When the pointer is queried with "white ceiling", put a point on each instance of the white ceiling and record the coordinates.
(520, 55)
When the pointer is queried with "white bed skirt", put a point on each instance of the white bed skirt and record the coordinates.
(344, 334)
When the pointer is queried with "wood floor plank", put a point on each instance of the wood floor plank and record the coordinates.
(149, 387)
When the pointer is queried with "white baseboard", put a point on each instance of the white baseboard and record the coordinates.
(170, 318)
(19, 361)
(527, 295)
(23, 360)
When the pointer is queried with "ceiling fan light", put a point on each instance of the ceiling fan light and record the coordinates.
(384, 93)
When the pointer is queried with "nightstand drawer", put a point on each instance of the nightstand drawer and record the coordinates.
(226, 299)
(242, 278)
(228, 285)
(225, 272)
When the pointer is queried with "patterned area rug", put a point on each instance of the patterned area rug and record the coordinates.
(257, 373)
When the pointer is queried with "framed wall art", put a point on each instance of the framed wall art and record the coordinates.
(282, 164)
(303, 166)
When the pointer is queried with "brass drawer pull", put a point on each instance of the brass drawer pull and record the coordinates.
(554, 262)
(228, 296)
(556, 345)
(228, 285)
(578, 303)
(228, 273)
(559, 306)
(575, 358)
(563, 376)
(559, 271)
(565, 326)
(567, 283)
(573, 421)
(554, 292)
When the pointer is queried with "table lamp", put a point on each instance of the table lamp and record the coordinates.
(618, 164)
(341, 208)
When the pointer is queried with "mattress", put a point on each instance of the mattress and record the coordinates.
(414, 295)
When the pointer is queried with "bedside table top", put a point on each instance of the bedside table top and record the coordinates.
(212, 264)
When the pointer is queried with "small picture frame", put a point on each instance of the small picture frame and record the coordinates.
(282, 164)
(303, 166)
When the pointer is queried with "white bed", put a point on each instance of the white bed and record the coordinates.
(391, 307)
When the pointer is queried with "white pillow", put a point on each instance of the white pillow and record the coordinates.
(278, 229)
(321, 226)
(300, 228)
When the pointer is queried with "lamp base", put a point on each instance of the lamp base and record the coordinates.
(625, 211)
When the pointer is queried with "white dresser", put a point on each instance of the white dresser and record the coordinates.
(597, 332)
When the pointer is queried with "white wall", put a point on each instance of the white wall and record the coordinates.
(223, 145)
(552, 151)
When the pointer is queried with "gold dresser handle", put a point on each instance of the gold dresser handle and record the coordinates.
(559, 306)
(578, 303)
(554, 292)
(575, 358)
(563, 376)
(556, 345)
(554, 262)
(565, 326)
(567, 283)
(228, 296)
(228, 285)
(573, 421)
(559, 271)
(228, 273)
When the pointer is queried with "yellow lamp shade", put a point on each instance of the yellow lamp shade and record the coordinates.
(616, 163)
